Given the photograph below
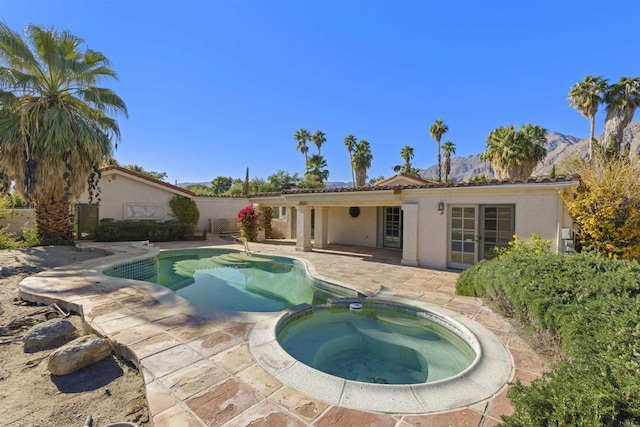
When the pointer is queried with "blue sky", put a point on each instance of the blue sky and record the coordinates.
(214, 86)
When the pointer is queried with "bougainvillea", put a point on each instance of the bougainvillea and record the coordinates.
(248, 223)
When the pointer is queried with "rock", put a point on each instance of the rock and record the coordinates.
(79, 353)
(48, 334)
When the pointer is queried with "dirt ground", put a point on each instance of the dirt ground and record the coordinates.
(111, 390)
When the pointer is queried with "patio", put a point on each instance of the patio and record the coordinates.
(198, 369)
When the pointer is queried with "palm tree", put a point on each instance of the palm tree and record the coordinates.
(361, 161)
(350, 142)
(515, 154)
(407, 154)
(317, 167)
(436, 130)
(448, 148)
(318, 139)
(55, 123)
(302, 136)
(622, 99)
(586, 96)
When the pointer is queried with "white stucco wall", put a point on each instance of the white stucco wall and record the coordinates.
(346, 230)
(16, 219)
(537, 210)
(219, 208)
(116, 194)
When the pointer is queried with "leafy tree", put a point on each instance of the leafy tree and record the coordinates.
(606, 207)
(350, 142)
(318, 139)
(200, 190)
(317, 167)
(55, 127)
(184, 210)
(448, 148)
(160, 176)
(586, 96)
(407, 154)
(221, 184)
(622, 99)
(362, 158)
(436, 131)
(282, 180)
(302, 136)
(372, 181)
(515, 153)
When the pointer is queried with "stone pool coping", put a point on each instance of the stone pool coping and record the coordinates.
(489, 373)
(197, 367)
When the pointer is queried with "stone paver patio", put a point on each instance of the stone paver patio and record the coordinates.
(196, 363)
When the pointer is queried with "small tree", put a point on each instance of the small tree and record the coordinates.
(606, 207)
(266, 215)
(185, 210)
(248, 223)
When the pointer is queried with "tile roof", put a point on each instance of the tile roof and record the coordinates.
(429, 184)
(147, 178)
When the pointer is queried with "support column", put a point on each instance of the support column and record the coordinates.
(322, 226)
(410, 235)
(303, 228)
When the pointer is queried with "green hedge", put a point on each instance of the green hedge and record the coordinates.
(110, 230)
(592, 304)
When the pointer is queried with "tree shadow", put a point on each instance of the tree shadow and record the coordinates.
(90, 378)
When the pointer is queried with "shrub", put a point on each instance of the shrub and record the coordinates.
(248, 223)
(591, 304)
(28, 239)
(266, 215)
(606, 207)
(185, 210)
(110, 230)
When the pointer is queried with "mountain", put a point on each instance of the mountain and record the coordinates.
(559, 148)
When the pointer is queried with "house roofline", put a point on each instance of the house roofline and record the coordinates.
(126, 171)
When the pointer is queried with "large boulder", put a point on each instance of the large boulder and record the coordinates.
(48, 334)
(77, 354)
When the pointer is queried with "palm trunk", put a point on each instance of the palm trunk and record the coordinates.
(361, 177)
(616, 122)
(353, 173)
(591, 132)
(439, 164)
(54, 221)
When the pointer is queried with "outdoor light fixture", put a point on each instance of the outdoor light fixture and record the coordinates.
(441, 207)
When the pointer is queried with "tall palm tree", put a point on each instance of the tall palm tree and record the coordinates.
(448, 149)
(361, 161)
(514, 154)
(586, 96)
(55, 123)
(407, 154)
(350, 142)
(436, 131)
(318, 139)
(302, 136)
(317, 167)
(622, 99)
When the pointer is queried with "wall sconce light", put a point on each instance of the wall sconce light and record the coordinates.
(441, 208)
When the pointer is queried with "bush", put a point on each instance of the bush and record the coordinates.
(185, 210)
(110, 230)
(28, 239)
(266, 215)
(592, 305)
(248, 222)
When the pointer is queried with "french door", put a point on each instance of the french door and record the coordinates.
(475, 232)
(392, 237)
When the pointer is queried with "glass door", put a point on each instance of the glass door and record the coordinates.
(392, 227)
(462, 237)
(498, 227)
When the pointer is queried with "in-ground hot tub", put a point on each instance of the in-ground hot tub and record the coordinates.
(389, 356)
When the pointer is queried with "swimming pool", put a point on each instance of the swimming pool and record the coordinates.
(378, 345)
(232, 280)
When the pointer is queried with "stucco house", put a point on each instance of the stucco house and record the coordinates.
(435, 225)
(128, 195)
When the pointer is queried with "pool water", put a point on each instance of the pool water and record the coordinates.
(376, 345)
(237, 281)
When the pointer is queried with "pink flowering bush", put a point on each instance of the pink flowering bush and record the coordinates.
(248, 223)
